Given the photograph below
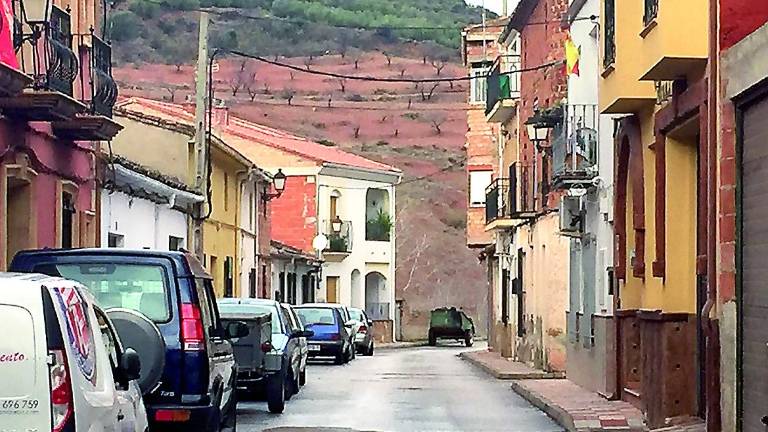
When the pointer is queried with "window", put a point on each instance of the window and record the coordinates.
(143, 288)
(478, 84)
(609, 37)
(250, 309)
(316, 316)
(281, 291)
(478, 182)
(175, 243)
(292, 326)
(115, 240)
(229, 289)
(226, 191)
(67, 220)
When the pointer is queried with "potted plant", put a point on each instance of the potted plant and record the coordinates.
(378, 228)
(337, 243)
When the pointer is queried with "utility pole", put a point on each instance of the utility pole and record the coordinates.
(201, 153)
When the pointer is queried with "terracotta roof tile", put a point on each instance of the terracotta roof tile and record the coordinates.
(259, 134)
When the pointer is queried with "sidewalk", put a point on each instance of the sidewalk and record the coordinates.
(505, 369)
(399, 345)
(573, 407)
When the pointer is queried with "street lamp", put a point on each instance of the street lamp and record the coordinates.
(336, 225)
(278, 181)
(538, 129)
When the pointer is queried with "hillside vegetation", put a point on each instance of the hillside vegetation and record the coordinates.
(164, 31)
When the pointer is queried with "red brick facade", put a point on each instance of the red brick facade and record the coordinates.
(294, 214)
(543, 88)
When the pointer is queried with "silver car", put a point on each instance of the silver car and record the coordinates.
(364, 331)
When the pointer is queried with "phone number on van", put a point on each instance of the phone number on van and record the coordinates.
(19, 404)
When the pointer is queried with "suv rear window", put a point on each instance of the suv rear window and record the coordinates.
(143, 288)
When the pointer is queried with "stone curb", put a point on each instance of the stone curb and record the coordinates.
(400, 345)
(560, 415)
(508, 375)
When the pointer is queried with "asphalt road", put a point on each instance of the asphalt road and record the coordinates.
(403, 390)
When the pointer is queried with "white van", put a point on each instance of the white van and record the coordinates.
(62, 367)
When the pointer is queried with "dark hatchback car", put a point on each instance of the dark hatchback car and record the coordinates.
(331, 334)
(192, 358)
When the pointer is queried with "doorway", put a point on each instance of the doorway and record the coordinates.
(19, 226)
(332, 289)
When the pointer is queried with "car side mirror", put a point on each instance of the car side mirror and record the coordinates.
(370, 323)
(349, 324)
(236, 330)
(130, 363)
(307, 333)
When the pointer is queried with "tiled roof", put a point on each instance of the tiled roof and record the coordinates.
(259, 134)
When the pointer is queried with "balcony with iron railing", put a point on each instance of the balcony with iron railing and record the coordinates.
(503, 89)
(650, 11)
(609, 36)
(339, 235)
(575, 146)
(96, 89)
(509, 200)
(44, 53)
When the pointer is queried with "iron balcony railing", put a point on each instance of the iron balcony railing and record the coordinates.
(45, 51)
(98, 89)
(650, 11)
(575, 143)
(499, 200)
(508, 197)
(503, 82)
(377, 311)
(609, 42)
(341, 241)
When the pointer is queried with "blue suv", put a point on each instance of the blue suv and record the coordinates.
(186, 356)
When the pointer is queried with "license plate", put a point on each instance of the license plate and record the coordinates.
(314, 347)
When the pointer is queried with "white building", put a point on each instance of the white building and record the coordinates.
(341, 202)
(142, 209)
(295, 274)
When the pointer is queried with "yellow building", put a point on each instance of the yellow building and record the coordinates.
(232, 209)
(654, 58)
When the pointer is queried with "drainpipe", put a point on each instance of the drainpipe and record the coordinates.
(712, 346)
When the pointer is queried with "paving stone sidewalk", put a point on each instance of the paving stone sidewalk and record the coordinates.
(572, 406)
(505, 369)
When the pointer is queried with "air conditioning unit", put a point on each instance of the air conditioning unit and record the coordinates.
(571, 216)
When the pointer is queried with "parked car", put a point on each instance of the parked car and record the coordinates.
(332, 334)
(364, 332)
(62, 365)
(284, 368)
(185, 352)
(451, 323)
(349, 323)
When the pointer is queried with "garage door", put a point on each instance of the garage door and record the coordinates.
(755, 267)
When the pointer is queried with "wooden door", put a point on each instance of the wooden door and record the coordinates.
(332, 289)
(754, 248)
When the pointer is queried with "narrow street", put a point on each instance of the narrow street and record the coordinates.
(408, 390)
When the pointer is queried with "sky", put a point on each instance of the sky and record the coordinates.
(494, 5)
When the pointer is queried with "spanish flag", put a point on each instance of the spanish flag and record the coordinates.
(572, 54)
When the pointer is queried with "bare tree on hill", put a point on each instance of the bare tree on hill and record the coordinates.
(388, 57)
(426, 95)
(439, 64)
(437, 121)
(342, 84)
(308, 61)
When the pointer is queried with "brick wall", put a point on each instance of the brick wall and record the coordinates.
(739, 18)
(541, 44)
(294, 214)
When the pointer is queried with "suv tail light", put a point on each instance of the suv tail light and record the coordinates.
(335, 336)
(61, 390)
(363, 329)
(192, 335)
(266, 347)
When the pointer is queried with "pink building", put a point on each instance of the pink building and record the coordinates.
(56, 97)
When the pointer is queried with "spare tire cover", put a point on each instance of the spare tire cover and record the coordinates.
(140, 333)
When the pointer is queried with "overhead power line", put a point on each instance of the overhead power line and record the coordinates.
(389, 80)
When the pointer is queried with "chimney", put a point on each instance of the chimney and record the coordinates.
(504, 8)
(220, 115)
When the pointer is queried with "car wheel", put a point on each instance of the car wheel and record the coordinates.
(340, 358)
(469, 339)
(354, 352)
(432, 339)
(289, 384)
(229, 423)
(296, 383)
(369, 351)
(276, 393)
(303, 377)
